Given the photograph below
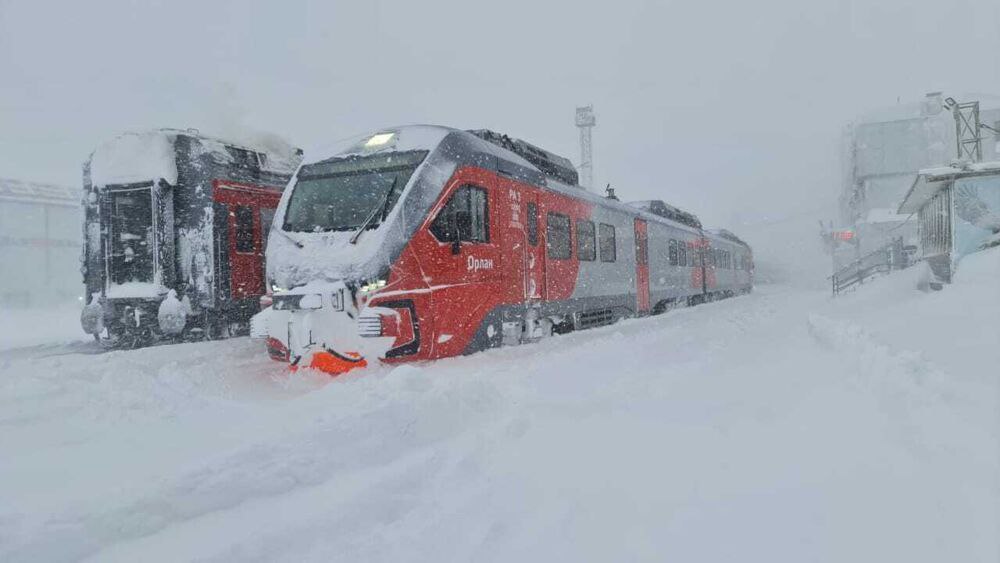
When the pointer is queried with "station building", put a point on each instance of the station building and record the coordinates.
(40, 233)
(958, 210)
(884, 151)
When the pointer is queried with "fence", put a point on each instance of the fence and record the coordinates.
(885, 259)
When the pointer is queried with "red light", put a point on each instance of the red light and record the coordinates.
(843, 235)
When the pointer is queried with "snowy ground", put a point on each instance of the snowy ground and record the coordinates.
(781, 426)
(43, 328)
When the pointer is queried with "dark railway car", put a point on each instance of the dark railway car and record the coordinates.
(425, 242)
(175, 229)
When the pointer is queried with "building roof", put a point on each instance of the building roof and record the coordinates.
(931, 180)
(37, 192)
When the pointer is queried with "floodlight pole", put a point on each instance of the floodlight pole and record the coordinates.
(585, 120)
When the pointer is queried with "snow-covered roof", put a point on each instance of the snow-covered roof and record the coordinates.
(931, 180)
(924, 108)
(19, 190)
(137, 156)
(883, 215)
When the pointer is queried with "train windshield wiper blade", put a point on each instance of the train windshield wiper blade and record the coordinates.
(290, 238)
(379, 210)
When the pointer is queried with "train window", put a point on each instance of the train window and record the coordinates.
(533, 224)
(609, 252)
(244, 158)
(132, 238)
(586, 243)
(243, 228)
(672, 252)
(557, 237)
(465, 218)
(682, 257)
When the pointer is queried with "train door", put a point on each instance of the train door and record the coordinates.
(463, 263)
(534, 254)
(708, 260)
(641, 267)
(249, 209)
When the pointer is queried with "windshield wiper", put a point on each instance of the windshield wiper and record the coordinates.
(289, 237)
(379, 210)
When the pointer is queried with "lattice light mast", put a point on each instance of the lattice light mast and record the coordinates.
(967, 129)
(585, 120)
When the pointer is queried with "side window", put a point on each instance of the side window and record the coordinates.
(586, 243)
(682, 256)
(557, 237)
(609, 252)
(244, 228)
(533, 224)
(465, 218)
(672, 252)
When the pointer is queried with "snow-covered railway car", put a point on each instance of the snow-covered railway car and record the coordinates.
(424, 242)
(174, 233)
(730, 261)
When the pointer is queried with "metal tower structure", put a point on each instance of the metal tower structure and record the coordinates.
(967, 129)
(585, 120)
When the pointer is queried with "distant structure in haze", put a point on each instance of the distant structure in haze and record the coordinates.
(40, 226)
(884, 150)
(585, 120)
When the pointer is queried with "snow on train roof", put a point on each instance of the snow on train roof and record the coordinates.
(428, 137)
(19, 190)
(727, 235)
(137, 156)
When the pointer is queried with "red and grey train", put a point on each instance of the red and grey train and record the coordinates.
(424, 242)
(174, 233)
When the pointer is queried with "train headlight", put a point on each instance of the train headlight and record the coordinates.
(378, 284)
(378, 140)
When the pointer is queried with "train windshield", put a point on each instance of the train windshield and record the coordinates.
(131, 235)
(341, 195)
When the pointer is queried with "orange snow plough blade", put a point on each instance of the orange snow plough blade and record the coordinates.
(333, 363)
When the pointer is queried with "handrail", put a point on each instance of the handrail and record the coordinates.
(882, 260)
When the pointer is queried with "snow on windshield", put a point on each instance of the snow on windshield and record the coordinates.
(341, 194)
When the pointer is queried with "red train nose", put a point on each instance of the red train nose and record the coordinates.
(331, 362)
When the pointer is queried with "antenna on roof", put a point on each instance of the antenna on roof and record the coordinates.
(611, 193)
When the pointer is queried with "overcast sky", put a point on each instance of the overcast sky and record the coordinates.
(730, 109)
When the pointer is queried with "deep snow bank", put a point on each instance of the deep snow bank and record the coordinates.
(782, 426)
